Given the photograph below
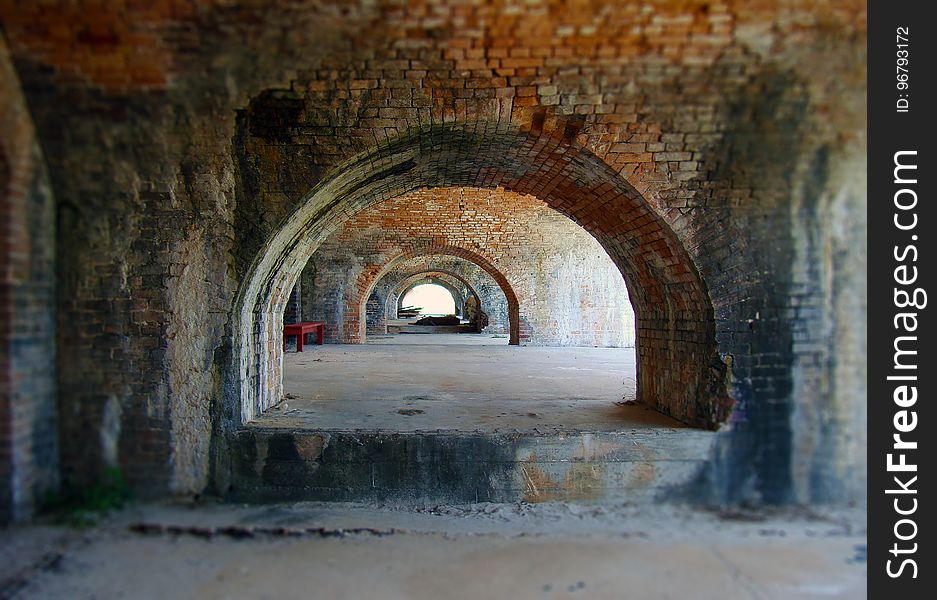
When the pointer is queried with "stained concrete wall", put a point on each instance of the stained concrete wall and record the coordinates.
(569, 291)
(180, 135)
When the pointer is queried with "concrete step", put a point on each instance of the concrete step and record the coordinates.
(273, 464)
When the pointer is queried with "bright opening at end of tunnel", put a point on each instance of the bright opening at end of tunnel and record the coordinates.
(431, 299)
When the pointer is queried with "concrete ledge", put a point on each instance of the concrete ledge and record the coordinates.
(458, 467)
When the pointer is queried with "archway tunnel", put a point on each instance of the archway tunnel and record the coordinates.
(544, 280)
(433, 297)
(481, 303)
(561, 266)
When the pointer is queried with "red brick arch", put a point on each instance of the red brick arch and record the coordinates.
(370, 277)
(679, 370)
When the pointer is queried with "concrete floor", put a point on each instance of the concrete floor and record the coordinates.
(460, 382)
(359, 552)
(522, 551)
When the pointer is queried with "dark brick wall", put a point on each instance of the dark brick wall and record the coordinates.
(294, 308)
(28, 411)
(143, 248)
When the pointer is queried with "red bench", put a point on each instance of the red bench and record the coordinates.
(300, 330)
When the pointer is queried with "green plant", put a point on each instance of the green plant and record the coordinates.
(84, 507)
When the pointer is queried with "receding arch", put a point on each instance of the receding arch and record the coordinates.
(443, 282)
(679, 370)
(369, 279)
(468, 278)
(399, 291)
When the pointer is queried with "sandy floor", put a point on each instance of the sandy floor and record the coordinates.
(546, 551)
(460, 382)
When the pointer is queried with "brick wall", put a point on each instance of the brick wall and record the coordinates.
(200, 152)
(294, 309)
(28, 411)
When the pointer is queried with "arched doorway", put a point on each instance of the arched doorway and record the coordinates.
(399, 298)
(369, 281)
(679, 372)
